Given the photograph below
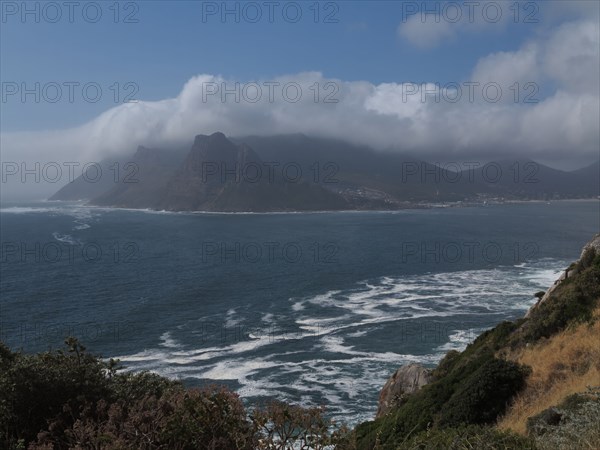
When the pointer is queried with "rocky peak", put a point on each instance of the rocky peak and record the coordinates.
(217, 153)
(215, 148)
(149, 155)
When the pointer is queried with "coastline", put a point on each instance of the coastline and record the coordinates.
(409, 207)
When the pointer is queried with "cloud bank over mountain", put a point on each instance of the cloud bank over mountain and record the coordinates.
(552, 114)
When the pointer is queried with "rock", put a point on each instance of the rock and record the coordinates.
(594, 243)
(548, 292)
(405, 381)
(572, 272)
(568, 273)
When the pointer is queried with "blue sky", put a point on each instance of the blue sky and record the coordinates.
(170, 43)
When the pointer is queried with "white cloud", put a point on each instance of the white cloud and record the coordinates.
(571, 55)
(427, 33)
(430, 25)
(427, 26)
(506, 68)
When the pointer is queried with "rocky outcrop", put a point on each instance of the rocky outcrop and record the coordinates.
(405, 381)
(594, 243)
(568, 273)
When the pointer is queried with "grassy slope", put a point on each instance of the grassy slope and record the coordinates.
(561, 366)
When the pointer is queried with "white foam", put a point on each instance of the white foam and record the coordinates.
(460, 339)
(168, 341)
(496, 291)
(26, 210)
(236, 369)
(231, 320)
(267, 318)
(66, 238)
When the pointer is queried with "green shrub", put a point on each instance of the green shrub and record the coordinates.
(470, 387)
(282, 426)
(484, 394)
(467, 437)
(572, 302)
(73, 400)
(574, 424)
(35, 389)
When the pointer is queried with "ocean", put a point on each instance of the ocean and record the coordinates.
(310, 308)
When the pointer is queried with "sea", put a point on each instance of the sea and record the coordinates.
(316, 309)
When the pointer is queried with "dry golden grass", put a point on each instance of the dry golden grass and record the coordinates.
(562, 365)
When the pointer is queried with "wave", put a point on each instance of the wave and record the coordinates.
(82, 213)
(66, 238)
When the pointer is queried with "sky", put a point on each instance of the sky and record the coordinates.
(450, 80)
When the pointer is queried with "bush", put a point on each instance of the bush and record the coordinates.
(472, 387)
(484, 394)
(283, 426)
(209, 418)
(73, 400)
(36, 389)
(574, 424)
(467, 437)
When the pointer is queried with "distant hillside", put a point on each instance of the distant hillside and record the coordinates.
(93, 184)
(527, 179)
(297, 172)
(406, 179)
(153, 170)
(399, 178)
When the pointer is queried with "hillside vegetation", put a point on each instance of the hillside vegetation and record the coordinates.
(561, 366)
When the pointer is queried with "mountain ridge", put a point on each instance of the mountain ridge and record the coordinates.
(302, 173)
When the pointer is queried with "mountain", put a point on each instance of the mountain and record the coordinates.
(588, 178)
(402, 179)
(216, 175)
(97, 180)
(302, 173)
(527, 179)
(150, 171)
(362, 174)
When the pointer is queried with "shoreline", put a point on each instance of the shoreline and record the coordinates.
(411, 207)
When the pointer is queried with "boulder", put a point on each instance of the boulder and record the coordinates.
(406, 380)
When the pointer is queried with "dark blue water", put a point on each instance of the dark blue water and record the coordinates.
(309, 308)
